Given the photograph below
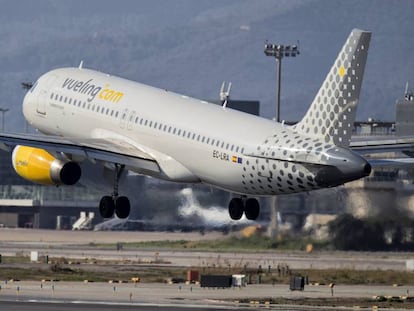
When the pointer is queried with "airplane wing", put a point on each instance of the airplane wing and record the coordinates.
(108, 150)
(385, 151)
(392, 163)
(381, 144)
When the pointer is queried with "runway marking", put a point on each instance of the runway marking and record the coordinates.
(140, 304)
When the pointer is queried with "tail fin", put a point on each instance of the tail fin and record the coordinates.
(332, 113)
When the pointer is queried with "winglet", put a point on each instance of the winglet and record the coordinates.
(81, 65)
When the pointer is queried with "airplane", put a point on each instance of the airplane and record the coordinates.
(92, 119)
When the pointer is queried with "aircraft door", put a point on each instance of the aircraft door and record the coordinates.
(124, 116)
(43, 98)
(131, 120)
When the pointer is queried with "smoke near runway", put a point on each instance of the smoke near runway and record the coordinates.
(192, 210)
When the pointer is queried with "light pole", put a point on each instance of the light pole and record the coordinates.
(3, 112)
(278, 51)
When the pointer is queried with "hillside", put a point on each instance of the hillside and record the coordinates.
(192, 46)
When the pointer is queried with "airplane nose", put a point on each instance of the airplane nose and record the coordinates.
(26, 104)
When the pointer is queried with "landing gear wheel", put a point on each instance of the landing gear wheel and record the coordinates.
(236, 208)
(252, 209)
(106, 207)
(122, 207)
(111, 204)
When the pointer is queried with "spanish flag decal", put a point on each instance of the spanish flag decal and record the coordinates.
(236, 159)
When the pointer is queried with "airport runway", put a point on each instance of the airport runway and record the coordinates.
(62, 237)
(150, 296)
(188, 258)
(179, 258)
(63, 306)
(80, 244)
(92, 296)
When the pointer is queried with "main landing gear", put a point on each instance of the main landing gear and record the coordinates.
(115, 204)
(250, 207)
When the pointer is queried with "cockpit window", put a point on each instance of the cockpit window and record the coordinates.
(33, 87)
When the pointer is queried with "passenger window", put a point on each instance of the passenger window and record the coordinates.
(117, 114)
(61, 98)
(51, 96)
(227, 146)
(56, 97)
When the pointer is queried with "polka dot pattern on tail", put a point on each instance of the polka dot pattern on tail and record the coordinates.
(333, 110)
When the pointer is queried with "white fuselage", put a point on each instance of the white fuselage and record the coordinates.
(191, 140)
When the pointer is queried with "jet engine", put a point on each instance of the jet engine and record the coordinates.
(39, 166)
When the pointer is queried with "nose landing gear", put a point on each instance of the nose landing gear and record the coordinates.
(119, 205)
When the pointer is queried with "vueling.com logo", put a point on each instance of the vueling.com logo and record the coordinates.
(92, 90)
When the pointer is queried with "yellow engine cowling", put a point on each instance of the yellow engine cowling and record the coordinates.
(39, 166)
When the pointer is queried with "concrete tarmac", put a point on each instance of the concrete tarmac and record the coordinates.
(147, 296)
(188, 258)
(80, 244)
(62, 237)
(179, 294)
(91, 296)
(64, 306)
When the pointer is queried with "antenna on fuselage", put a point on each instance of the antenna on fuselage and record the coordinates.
(225, 95)
(27, 85)
(81, 65)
